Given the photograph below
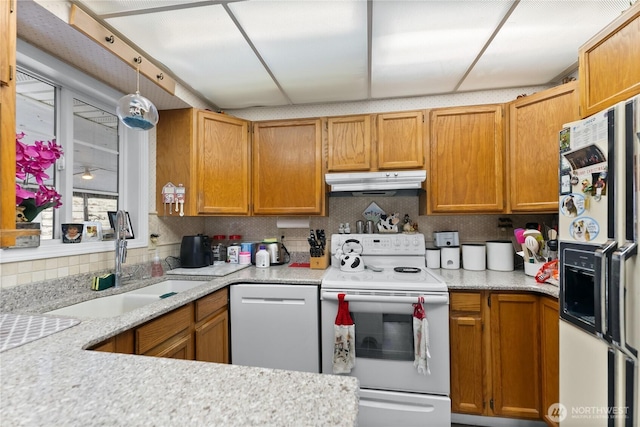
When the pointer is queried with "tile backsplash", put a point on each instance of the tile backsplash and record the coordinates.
(472, 228)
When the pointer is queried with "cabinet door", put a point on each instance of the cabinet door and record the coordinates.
(179, 347)
(121, 343)
(515, 355)
(609, 69)
(549, 334)
(222, 158)
(400, 140)
(467, 361)
(163, 329)
(349, 143)
(535, 121)
(212, 339)
(7, 37)
(466, 172)
(287, 168)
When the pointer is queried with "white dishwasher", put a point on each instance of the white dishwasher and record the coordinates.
(275, 326)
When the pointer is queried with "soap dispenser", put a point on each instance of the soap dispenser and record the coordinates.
(156, 267)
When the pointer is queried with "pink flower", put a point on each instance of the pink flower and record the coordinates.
(31, 162)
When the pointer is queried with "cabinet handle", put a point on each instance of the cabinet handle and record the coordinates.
(285, 301)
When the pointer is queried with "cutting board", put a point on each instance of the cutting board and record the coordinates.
(218, 269)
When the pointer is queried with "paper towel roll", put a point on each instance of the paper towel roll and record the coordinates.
(500, 255)
(474, 256)
(292, 222)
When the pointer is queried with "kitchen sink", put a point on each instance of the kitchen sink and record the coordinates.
(116, 305)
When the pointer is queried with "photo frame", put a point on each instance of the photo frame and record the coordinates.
(72, 233)
(92, 231)
(112, 220)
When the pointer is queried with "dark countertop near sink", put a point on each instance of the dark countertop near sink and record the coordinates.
(53, 381)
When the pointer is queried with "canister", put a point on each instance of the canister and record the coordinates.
(244, 258)
(450, 257)
(474, 256)
(433, 257)
(500, 255)
(219, 247)
(233, 251)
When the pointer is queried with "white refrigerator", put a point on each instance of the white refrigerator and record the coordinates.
(599, 181)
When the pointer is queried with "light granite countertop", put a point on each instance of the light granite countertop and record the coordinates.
(53, 381)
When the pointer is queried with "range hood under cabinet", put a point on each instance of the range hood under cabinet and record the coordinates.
(376, 183)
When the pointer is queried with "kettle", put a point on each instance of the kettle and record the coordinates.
(349, 258)
(195, 251)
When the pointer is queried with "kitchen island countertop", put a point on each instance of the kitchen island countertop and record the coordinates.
(53, 381)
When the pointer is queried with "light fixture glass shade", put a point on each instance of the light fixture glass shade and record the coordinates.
(137, 112)
(87, 174)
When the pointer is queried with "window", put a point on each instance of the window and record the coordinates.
(56, 101)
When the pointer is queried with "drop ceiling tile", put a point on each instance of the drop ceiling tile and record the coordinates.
(107, 7)
(425, 47)
(203, 46)
(317, 50)
(539, 42)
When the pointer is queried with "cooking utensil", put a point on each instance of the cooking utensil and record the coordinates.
(532, 244)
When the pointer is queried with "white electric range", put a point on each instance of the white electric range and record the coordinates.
(381, 298)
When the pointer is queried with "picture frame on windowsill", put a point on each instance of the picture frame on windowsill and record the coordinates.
(129, 234)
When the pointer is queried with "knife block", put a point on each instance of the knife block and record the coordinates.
(319, 263)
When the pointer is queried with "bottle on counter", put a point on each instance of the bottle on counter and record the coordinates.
(219, 247)
(156, 266)
(233, 251)
(263, 259)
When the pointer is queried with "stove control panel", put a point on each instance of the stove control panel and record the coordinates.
(382, 244)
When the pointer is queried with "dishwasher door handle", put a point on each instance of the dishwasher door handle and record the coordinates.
(284, 301)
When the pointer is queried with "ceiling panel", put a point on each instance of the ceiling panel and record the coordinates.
(317, 51)
(108, 7)
(425, 47)
(205, 49)
(539, 41)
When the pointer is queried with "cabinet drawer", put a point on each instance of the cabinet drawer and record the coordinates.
(161, 329)
(208, 305)
(466, 301)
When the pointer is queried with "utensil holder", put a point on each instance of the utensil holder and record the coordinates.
(319, 263)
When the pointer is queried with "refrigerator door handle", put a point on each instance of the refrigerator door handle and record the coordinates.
(602, 254)
(617, 294)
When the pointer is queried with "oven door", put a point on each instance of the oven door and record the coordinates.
(384, 339)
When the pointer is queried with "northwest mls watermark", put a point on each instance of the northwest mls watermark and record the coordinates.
(558, 412)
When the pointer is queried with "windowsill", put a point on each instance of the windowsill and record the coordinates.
(56, 249)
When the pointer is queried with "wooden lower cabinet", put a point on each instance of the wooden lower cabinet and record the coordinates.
(550, 345)
(504, 354)
(195, 331)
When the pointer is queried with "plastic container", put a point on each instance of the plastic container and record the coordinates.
(433, 257)
(244, 258)
(156, 266)
(263, 259)
(450, 257)
(474, 256)
(233, 250)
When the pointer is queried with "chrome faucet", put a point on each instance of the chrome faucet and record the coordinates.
(121, 245)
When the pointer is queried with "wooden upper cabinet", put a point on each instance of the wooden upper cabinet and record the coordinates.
(287, 168)
(209, 154)
(8, 231)
(466, 166)
(223, 168)
(7, 40)
(535, 121)
(609, 69)
(400, 140)
(349, 145)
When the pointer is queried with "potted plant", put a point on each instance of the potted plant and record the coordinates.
(32, 194)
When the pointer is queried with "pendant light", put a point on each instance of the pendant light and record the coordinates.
(87, 174)
(136, 111)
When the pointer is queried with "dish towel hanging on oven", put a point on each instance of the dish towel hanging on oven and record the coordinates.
(344, 348)
(421, 339)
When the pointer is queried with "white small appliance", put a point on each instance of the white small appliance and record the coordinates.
(443, 239)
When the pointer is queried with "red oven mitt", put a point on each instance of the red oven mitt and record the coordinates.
(344, 348)
(421, 339)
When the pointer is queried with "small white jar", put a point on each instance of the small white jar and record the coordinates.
(263, 259)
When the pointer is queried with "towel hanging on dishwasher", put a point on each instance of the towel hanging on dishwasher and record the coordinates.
(421, 339)
(344, 347)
